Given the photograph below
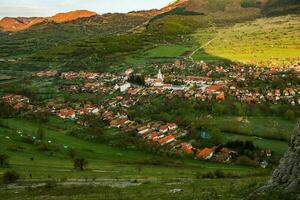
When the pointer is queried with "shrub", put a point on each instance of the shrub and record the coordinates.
(10, 177)
(208, 175)
(40, 134)
(3, 160)
(71, 153)
(244, 160)
(80, 163)
(289, 115)
(250, 3)
(219, 174)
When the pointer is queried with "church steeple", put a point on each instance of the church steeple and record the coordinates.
(160, 76)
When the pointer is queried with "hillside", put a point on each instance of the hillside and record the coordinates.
(95, 41)
(265, 41)
(21, 23)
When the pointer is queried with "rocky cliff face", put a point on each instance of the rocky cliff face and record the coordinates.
(286, 176)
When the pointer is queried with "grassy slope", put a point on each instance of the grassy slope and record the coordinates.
(166, 51)
(265, 127)
(276, 146)
(108, 163)
(100, 156)
(268, 40)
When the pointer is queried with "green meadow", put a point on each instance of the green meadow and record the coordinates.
(265, 41)
(111, 170)
(167, 51)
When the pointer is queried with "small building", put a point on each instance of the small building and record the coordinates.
(206, 153)
(166, 140)
(125, 87)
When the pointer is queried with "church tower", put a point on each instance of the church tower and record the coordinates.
(160, 76)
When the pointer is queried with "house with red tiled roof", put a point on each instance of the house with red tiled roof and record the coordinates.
(187, 148)
(166, 140)
(205, 153)
(172, 126)
(153, 136)
(214, 89)
(143, 130)
(67, 113)
(164, 128)
(221, 96)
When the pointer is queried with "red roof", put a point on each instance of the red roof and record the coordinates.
(166, 139)
(220, 96)
(154, 136)
(164, 127)
(187, 148)
(214, 88)
(204, 152)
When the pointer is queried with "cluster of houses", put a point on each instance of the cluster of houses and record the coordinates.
(67, 112)
(17, 101)
(215, 82)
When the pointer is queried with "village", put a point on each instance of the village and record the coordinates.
(124, 93)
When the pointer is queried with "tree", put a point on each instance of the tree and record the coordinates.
(40, 134)
(289, 115)
(216, 136)
(137, 79)
(71, 152)
(10, 177)
(3, 160)
(80, 163)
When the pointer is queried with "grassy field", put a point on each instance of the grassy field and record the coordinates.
(264, 127)
(109, 168)
(276, 146)
(265, 41)
(167, 51)
(225, 189)
(100, 156)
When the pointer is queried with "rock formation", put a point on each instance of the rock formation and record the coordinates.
(286, 176)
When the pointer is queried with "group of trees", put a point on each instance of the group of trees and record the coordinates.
(3, 160)
(9, 176)
(137, 79)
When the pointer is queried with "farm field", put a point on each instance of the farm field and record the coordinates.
(266, 41)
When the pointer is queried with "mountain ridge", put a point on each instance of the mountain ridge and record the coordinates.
(13, 24)
(207, 7)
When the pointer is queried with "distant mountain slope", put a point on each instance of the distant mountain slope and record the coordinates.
(100, 41)
(70, 16)
(21, 23)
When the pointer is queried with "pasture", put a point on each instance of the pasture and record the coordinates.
(263, 42)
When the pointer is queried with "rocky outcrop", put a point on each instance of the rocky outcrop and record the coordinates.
(286, 176)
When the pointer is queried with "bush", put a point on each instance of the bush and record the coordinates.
(244, 160)
(40, 134)
(71, 153)
(219, 174)
(208, 175)
(10, 177)
(80, 163)
(289, 115)
(3, 160)
(250, 3)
